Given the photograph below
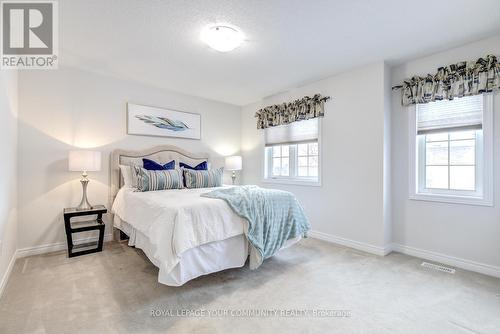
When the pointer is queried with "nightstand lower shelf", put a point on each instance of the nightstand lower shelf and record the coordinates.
(83, 226)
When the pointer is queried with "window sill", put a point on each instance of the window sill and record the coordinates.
(452, 199)
(296, 182)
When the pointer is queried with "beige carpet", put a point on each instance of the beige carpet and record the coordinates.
(116, 292)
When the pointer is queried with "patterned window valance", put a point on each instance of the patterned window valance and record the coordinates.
(457, 80)
(285, 113)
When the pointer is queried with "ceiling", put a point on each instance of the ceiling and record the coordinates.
(288, 42)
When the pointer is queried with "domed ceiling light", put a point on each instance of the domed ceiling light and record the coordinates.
(222, 37)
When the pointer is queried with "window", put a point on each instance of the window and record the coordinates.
(292, 153)
(450, 160)
(452, 151)
(280, 160)
(307, 160)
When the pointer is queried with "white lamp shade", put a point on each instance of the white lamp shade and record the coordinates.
(234, 163)
(84, 161)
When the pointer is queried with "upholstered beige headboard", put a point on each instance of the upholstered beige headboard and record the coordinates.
(161, 154)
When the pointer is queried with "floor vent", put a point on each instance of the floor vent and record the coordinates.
(438, 267)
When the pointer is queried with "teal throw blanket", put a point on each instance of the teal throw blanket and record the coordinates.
(274, 216)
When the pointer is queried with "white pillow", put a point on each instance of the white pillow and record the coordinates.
(128, 177)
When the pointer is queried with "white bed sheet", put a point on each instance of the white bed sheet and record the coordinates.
(176, 220)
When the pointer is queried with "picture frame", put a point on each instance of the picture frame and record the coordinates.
(145, 120)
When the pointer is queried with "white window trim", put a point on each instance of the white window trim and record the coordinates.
(299, 181)
(487, 163)
(421, 145)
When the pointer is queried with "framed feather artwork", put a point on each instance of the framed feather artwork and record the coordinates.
(154, 121)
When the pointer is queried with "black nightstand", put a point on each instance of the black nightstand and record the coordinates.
(81, 226)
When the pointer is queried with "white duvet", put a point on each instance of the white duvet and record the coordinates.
(177, 220)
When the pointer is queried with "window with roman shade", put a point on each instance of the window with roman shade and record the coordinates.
(291, 137)
(292, 152)
(451, 128)
(452, 148)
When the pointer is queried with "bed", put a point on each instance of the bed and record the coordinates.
(182, 233)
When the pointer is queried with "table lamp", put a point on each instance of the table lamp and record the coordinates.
(233, 164)
(84, 161)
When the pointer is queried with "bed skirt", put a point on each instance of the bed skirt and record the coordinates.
(202, 260)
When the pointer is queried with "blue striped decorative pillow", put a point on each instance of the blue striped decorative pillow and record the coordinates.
(150, 180)
(203, 178)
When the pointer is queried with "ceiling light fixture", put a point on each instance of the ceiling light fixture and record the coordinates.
(222, 37)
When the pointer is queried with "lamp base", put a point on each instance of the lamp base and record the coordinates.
(233, 176)
(84, 204)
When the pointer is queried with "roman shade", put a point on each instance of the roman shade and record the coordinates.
(297, 132)
(464, 113)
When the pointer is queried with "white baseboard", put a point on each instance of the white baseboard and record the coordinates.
(28, 251)
(6, 275)
(362, 246)
(478, 267)
(58, 246)
(42, 249)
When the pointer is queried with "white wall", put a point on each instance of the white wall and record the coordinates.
(67, 108)
(466, 232)
(8, 170)
(349, 204)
